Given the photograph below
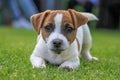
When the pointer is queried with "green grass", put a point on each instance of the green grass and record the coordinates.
(16, 46)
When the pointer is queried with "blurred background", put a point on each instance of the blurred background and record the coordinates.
(16, 13)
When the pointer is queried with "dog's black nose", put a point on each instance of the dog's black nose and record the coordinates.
(57, 43)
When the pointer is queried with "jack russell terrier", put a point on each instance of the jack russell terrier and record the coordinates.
(62, 36)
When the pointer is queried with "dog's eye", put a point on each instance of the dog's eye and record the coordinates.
(49, 28)
(68, 28)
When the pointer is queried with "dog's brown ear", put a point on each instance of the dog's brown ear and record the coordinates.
(38, 19)
(78, 18)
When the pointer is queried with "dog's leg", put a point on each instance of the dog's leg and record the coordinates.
(86, 54)
(87, 41)
(37, 62)
(39, 50)
(71, 64)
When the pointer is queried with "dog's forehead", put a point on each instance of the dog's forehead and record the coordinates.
(66, 17)
(59, 12)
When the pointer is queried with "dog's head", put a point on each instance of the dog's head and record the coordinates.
(58, 27)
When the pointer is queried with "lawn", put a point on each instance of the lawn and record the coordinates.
(16, 46)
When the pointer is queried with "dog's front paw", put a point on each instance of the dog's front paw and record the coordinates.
(38, 62)
(70, 66)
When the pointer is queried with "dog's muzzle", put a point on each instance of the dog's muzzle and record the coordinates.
(57, 45)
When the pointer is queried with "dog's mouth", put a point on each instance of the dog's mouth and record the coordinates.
(57, 51)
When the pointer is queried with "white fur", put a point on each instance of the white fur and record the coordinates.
(69, 58)
(58, 20)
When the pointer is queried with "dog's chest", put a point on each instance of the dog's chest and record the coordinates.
(58, 58)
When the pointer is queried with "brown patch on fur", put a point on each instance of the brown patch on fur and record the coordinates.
(48, 20)
(75, 20)
(71, 17)
(78, 19)
(37, 20)
(67, 19)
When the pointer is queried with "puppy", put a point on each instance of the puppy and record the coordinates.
(62, 36)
